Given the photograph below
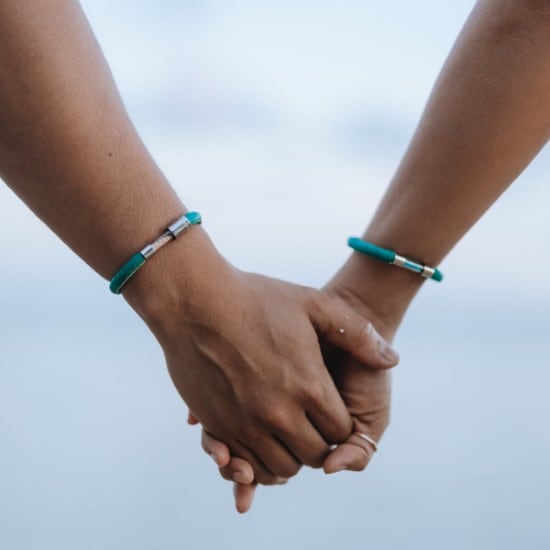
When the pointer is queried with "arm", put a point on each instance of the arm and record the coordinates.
(67, 146)
(487, 117)
(242, 350)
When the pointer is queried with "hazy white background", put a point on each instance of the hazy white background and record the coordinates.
(281, 122)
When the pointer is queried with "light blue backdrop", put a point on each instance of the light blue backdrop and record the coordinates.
(296, 114)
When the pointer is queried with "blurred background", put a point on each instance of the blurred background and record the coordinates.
(282, 122)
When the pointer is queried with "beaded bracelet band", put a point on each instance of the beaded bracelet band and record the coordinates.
(393, 258)
(135, 263)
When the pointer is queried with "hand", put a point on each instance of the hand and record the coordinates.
(366, 392)
(243, 351)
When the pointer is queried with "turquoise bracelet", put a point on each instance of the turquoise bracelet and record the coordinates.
(393, 258)
(135, 263)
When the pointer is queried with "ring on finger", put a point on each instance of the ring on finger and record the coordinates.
(368, 439)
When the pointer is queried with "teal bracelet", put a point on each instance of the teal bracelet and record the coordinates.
(393, 258)
(135, 263)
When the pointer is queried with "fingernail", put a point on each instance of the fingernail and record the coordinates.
(239, 477)
(388, 354)
(214, 457)
(339, 468)
(385, 351)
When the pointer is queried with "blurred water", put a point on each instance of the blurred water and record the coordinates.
(262, 108)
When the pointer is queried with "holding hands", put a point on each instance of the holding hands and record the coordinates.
(278, 375)
(249, 355)
(352, 362)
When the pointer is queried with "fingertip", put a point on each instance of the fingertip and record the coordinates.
(347, 456)
(388, 355)
(334, 468)
(239, 471)
(223, 456)
(381, 352)
(244, 497)
(216, 449)
(333, 464)
(243, 478)
(192, 419)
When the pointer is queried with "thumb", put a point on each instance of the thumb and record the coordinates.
(339, 325)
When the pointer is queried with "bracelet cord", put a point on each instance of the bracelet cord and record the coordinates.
(136, 262)
(391, 257)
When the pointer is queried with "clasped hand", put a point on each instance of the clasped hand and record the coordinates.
(277, 374)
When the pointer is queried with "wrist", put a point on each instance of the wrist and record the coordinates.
(379, 291)
(181, 277)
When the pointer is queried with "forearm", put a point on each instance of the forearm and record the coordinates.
(487, 118)
(67, 146)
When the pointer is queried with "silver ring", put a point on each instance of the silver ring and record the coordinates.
(368, 439)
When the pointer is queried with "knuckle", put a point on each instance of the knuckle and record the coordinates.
(314, 297)
(278, 419)
(288, 470)
(316, 305)
(249, 431)
(266, 478)
(316, 394)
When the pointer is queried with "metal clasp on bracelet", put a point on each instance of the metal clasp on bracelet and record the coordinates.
(391, 257)
(135, 263)
(179, 226)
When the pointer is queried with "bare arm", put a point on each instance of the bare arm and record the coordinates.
(487, 118)
(242, 350)
(67, 146)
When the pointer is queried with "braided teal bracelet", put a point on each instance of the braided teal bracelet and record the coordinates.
(393, 258)
(135, 263)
